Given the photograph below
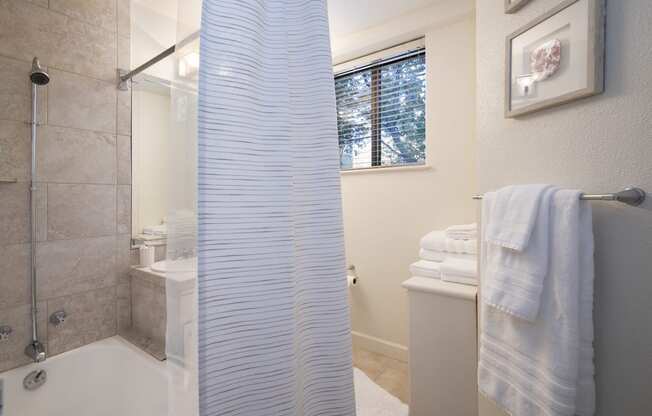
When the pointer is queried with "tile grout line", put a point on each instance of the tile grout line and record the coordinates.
(78, 20)
(83, 292)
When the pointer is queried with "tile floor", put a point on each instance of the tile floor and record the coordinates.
(388, 373)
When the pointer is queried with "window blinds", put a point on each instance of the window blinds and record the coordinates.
(381, 112)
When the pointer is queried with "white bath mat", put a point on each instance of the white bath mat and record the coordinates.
(372, 400)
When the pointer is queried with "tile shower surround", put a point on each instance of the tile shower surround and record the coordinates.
(83, 172)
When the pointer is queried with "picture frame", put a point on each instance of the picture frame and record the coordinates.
(556, 58)
(512, 6)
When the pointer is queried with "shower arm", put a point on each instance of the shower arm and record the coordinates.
(125, 76)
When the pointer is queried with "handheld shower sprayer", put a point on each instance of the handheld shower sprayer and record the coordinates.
(39, 77)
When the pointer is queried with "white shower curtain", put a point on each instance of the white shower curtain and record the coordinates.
(274, 335)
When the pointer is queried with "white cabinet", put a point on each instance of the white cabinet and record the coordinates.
(443, 348)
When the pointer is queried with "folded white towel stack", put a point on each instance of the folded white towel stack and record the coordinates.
(457, 256)
(440, 256)
(425, 268)
(463, 232)
(536, 325)
(437, 241)
(459, 271)
(432, 255)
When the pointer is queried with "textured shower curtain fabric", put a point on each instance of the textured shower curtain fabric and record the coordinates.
(274, 333)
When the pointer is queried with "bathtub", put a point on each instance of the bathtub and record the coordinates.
(107, 378)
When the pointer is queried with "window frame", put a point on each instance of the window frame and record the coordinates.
(374, 62)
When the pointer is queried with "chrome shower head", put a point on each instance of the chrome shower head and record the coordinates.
(38, 76)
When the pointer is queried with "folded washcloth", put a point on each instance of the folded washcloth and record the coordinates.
(437, 241)
(514, 279)
(513, 215)
(440, 256)
(545, 367)
(425, 268)
(462, 232)
(463, 271)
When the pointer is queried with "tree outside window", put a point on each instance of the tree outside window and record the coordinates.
(381, 114)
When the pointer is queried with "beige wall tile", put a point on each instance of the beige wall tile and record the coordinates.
(15, 151)
(75, 156)
(124, 209)
(14, 276)
(59, 41)
(100, 13)
(124, 112)
(20, 319)
(124, 160)
(91, 317)
(14, 213)
(156, 348)
(76, 40)
(124, 97)
(42, 3)
(124, 52)
(41, 207)
(77, 211)
(148, 278)
(15, 91)
(123, 257)
(123, 313)
(124, 23)
(124, 305)
(123, 291)
(67, 267)
(81, 102)
(148, 309)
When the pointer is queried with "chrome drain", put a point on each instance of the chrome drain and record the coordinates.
(35, 379)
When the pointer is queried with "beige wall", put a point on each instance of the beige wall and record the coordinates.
(386, 212)
(83, 171)
(600, 145)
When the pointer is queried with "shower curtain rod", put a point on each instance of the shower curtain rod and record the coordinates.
(630, 196)
(126, 76)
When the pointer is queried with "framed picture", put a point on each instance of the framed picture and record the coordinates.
(557, 58)
(512, 6)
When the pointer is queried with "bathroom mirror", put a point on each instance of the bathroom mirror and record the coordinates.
(150, 147)
(164, 156)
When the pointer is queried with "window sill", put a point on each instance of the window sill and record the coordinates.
(388, 169)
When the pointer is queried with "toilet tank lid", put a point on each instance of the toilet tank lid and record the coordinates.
(436, 286)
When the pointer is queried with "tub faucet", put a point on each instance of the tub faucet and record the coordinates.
(35, 351)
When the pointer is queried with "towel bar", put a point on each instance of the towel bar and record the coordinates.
(8, 180)
(630, 196)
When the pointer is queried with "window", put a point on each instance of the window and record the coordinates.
(381, 116)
